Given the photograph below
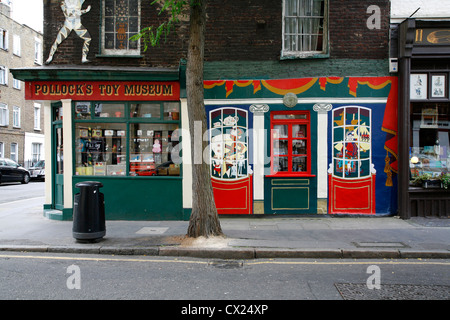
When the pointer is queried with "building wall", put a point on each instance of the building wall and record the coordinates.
(236, 31)
(15, 97)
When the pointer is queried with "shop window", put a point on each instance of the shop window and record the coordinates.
(304, 28)
(151, 147)
(290, 143)
(229, 143)
(429, 152)
(127, 139)
(352, 155)
(121, 20)
(100, 149)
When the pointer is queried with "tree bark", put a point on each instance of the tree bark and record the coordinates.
(204, 219)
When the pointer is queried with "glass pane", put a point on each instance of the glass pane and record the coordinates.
(100, 149)
(280, 147)
(299, 164)
(104, 110)
(299, 131)
(82, 110)
(145, 110)
(351, 150)
(299, 147)
(280, 131)
(290, 116)
(152, 150)
(337, 150)
(171, 111)
(280, 164)
(59, 151)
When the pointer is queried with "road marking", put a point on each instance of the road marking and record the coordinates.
(248, 262)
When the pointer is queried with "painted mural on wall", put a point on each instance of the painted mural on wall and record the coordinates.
(231, 173)
(362, 136)
(72, 12)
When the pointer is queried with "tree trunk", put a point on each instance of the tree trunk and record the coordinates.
(204, 220)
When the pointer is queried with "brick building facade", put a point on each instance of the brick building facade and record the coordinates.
(311, 76)
(22, 121)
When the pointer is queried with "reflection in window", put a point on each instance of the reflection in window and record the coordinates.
(290, 143)
(151, 149)
(430, 149)
(100, 149)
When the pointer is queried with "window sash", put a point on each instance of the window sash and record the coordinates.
(304, 26)
(120, 21)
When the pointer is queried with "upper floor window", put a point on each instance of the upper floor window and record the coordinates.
(4, 115)
(3, 75)
(304, 28)
(121, 20)
(3, 39)
(16, 45)
(37, 51)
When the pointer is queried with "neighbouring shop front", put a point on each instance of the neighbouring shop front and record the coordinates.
(424, 70)
(123, 132)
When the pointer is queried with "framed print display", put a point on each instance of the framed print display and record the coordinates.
(438, 85)
(418, 86)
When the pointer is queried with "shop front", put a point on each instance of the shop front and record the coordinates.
(124, 133)
(424, 66)
(304, 146)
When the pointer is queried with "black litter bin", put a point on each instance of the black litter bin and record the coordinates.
(89, 211)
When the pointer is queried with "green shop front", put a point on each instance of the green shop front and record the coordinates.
(118, 127)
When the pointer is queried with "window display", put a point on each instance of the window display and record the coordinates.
(290, 143)
(100, 149)
(429, 153)
(151, 148)
(126, 139)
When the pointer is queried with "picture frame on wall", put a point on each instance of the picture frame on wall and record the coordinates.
(438, 85)
(418, 86)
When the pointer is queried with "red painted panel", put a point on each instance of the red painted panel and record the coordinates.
(351, 196)
(233, 196)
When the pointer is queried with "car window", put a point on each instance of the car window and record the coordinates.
(2, 162)
(10, 163)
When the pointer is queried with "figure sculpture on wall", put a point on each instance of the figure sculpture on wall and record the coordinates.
(72, 11)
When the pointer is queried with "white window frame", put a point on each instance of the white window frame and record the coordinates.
(14, 151)
(287, 53)
(3, 75)
(16, 117)
(4, 39)
(119, 52)
(2, 150)
(4, 115)
(37, 116)
(16, 84)
(36, 149)
(38, 51)
(16, 45)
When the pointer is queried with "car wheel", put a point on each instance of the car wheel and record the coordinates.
(26, 178)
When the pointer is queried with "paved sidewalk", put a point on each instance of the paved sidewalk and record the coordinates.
(246, 237)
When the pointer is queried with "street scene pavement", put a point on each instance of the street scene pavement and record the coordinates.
(23, 227)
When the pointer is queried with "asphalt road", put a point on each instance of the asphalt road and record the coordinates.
(74, 277)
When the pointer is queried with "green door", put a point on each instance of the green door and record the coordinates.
(58, 160)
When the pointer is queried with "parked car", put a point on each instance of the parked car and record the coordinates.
(11, 171)
(38, 170)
